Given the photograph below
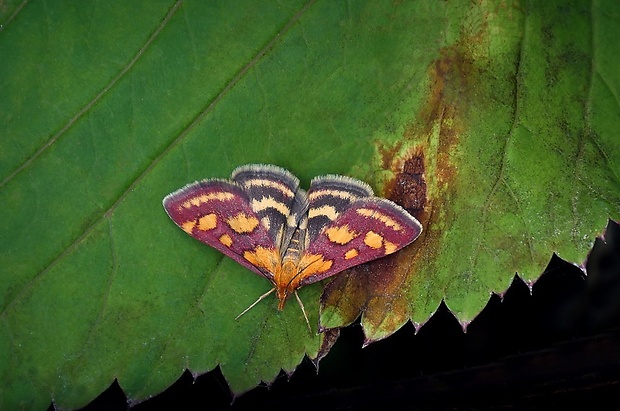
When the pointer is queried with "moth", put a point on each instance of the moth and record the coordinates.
(263, 220)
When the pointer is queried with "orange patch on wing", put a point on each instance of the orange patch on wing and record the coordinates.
(226, 240)
(207, 222)
(389, 247)
(340, 235)
(266, 258)
(352, 253)
(242, 223)
(373, 240)
(313, 263)
(188, 226)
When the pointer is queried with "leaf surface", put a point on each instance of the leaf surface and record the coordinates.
(515, 130)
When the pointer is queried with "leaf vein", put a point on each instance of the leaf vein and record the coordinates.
(73, 120)
(104, 304)
(507, 141)
(180, 324)
(12, 17)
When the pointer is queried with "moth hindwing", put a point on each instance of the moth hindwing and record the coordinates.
(262, 219)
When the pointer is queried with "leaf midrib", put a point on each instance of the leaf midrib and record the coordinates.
(86, 108)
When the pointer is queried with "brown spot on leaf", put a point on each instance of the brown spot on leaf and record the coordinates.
(409, 187)
(423, 163)
(388, 154)
(427, 153)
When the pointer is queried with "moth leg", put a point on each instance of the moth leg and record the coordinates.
(256, 302)
(303, 310)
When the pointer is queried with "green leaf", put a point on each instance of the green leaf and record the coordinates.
(516, 128)
(511, 107)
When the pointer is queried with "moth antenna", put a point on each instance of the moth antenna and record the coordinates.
(256, 302)
(303, 310)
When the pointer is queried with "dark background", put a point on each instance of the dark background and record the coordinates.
(556, 347)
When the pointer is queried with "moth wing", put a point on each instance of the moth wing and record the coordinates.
(329, 196)
(218, 213)
(275, 197)
(368, 229)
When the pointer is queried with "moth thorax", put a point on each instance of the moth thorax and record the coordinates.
(295, 247)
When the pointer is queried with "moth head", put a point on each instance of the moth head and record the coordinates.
(282, 294)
